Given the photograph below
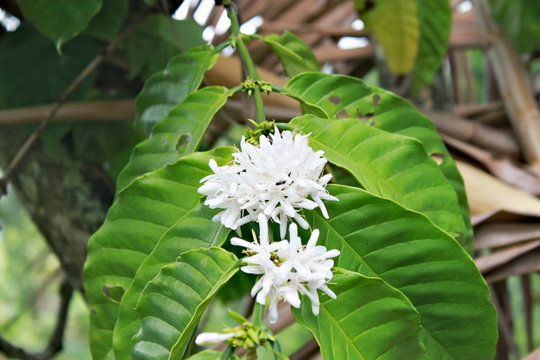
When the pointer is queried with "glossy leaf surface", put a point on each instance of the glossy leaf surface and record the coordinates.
(368, 320)
(142, 213)
(172, 304)
(344, 96)
(179, 134)
(169, 87)
(194, 230)
(294, 54)
(389, 165)
(378, 237)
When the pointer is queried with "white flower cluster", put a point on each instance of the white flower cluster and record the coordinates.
(273, 181)
(288, 268)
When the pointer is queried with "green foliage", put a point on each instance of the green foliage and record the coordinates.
(142, 213)
(389, 165)
(194, 229)
(435, 25)
(208, 355)
(172, 304)
(378, 237)
(178, 134)
(109, 20)
(163, 90)
(344, 96)
(396, 27)
(24, 80)
(413, 34)
(60, 20)
(293, 53)
(521, 21)
(150, 47)
(368, 320)
(406, 281)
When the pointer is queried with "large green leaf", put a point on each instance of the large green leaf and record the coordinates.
(142, 213)
(60, 20)
(179, 134)
(194, 230)
(368, 320)
(172, 304)
(163, 90)
(109, 20)
(521, 21)
(378, 237)
(396, 28)
(435, 25)
(389, 165)
(157, 40)
(294, 54)
(346, 96)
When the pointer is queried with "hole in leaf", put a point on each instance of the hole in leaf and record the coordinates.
(363, 117)
(114, 293)
(183, 140)
(376, 99)
(438, 158)
(343, 114)
(335, 100)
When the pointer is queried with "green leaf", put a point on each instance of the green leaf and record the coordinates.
(208, 355)
(368, 320)
(344, 96)
(163, 90)
(142, 213)
(435, 25)
(60, 20)
(109, 20)
(157, 40)
(388, 165)
(396, 28)
(194, 230)
(179, 134)
(378, 237)
(25, 81)
(294, 54)
(521, 21)
(172, 304)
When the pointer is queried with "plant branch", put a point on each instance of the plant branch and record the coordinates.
(56, 339)
(23, 151)
(251, 69)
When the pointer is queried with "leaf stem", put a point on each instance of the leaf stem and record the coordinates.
(251, 70)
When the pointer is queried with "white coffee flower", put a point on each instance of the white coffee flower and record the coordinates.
(278, 178)
(212, 338)
(288, 268)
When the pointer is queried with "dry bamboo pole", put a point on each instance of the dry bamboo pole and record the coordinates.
(516, 92)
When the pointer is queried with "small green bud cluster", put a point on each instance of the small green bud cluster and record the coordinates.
(249, 85)
(246, 335)
(264, 128)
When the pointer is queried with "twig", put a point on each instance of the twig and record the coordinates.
(23, 151)
(56, 339)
